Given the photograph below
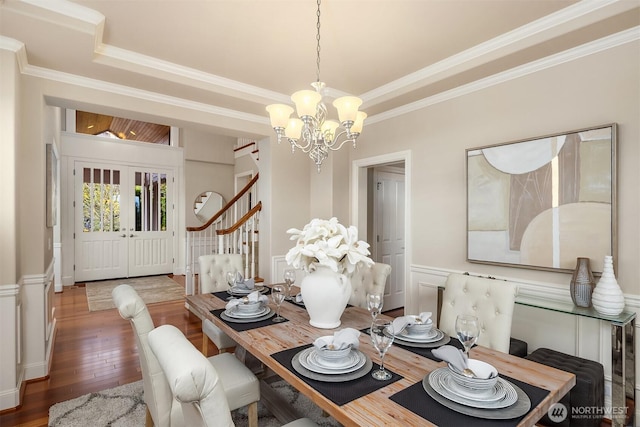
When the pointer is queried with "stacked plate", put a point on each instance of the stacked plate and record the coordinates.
(310, 364)
(234, 315)
(434, 338)
(237, 291)
(501, 395)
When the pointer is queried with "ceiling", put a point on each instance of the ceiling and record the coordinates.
(237, 56)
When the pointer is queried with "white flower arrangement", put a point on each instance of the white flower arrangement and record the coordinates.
(327, 243)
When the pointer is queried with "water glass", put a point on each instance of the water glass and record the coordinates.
(278, 293)
(382, 338)
(468, 331)
(289, 280)
(374, 304)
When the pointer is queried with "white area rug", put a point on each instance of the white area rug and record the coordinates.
(151, 289)
(124, 406)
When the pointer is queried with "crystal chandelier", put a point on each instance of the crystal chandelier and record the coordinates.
(312, 132)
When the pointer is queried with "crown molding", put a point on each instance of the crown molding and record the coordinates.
(561, 22)
(618, 39)
(100, 85)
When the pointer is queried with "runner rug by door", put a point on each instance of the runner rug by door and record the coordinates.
(151, 289)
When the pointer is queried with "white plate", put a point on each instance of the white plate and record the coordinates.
(428, 336)
(346, 362)
(270, 313)
(304, 359)
(510, 397)
(236, 291)
(236, 314)
(438, 335)
(492, 394)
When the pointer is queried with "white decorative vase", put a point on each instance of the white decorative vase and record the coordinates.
(325, 294)
(607, 297)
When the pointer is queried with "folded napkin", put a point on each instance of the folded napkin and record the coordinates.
(340, 339)
(399, 323)
(241, 283)
(299, 298)
(453, 355)
(254, 296)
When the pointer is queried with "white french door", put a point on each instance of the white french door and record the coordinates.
(389, 225)
(124, 221)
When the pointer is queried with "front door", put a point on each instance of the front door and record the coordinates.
(124, 221)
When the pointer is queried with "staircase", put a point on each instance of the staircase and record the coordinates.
(232, 230)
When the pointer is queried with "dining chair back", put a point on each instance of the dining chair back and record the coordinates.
(157, 394)
(212, 278)
(491, 300)
(213, 270)
(368, 279)
(194, 382)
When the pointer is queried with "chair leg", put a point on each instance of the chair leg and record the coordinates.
(148, 421)
(252, 412)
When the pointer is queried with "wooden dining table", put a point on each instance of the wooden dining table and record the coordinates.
(377, 407)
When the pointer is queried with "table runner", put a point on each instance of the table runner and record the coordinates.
(418, 401)
(338, 393)
(246, 326)
(223, 295)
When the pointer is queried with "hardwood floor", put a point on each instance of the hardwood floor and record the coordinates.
(94, 351)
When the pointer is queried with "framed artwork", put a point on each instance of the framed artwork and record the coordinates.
(541, 203)
(52, 185)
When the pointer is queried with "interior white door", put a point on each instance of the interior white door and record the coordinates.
(389, 224)
(124, 221)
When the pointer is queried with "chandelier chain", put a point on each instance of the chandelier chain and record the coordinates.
(318, 44)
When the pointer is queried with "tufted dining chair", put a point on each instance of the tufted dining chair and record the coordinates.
(490, 300)
(367, 279)
(212, 278)
(241, 387)
(194, 382)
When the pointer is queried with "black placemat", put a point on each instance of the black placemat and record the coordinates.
(338, 393)
(416, 399)
(246, 326)
(421, 351)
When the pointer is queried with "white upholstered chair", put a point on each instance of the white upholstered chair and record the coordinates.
(241, 387)
(491, 300)
(212, 278)
(157, 394)
(367, 279)
(194, 382)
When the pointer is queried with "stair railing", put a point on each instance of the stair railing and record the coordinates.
(204, 239)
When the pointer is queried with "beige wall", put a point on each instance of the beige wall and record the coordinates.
(9, 134)
(209, 164)
(598, 89)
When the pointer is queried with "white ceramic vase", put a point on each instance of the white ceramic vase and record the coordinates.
(325, 294)
(607, 297)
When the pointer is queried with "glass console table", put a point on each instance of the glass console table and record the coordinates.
(623, 371)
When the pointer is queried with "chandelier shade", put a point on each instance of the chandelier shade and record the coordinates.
(312, 132)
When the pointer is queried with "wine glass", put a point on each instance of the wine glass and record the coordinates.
(289, 280)
(381, 337)
(230, 277)
(468, 331)
(374, 304)
(278, 293)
